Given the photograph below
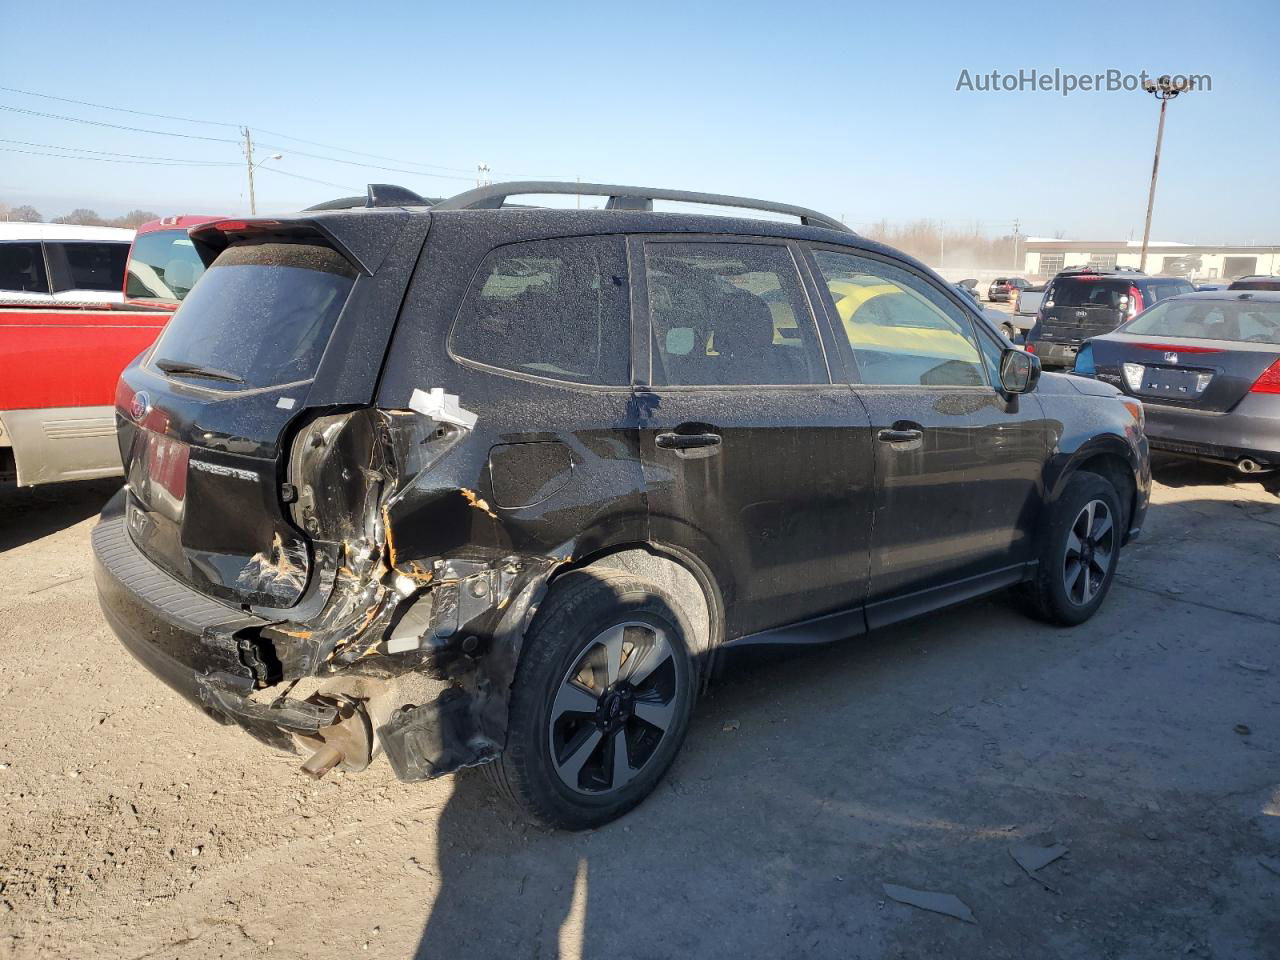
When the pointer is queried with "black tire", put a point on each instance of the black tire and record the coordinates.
(1009, 330)
(581, 608)
(1049, 597)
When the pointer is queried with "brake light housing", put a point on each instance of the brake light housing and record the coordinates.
(1269, 382)
(1135, 301)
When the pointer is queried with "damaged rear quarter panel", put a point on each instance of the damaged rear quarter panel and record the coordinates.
(445, 552)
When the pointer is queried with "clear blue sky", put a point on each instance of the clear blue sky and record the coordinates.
(846, 107)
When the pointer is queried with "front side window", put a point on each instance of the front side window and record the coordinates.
(22, 268)
(550, 308)
(902, 331)
(730, 314)
(84, 265)
(164, 266)
(261, 316)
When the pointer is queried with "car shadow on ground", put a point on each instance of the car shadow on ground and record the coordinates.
(29, 513)
(1181, 472)
(906, 756)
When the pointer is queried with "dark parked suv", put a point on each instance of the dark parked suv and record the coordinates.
(1079, 304)
(468, 483)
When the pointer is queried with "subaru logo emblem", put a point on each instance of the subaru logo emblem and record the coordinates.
(1171, 357)
(140, 406)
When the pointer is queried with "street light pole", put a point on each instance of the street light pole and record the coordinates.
(1163, 90)
(248, 159)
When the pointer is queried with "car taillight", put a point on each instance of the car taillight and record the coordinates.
(1269, 382)
(1135, 301)
(1029, 347)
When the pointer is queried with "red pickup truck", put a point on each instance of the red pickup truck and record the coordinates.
(61, 363)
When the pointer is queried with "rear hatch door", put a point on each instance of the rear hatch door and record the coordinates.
(1076, 308)
(289, 316)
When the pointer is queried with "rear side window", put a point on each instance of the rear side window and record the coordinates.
(22, 268)
(261, 316)
(550, 308)
(1078, 292)
(88, 266)
(164, 266)
(730, 314)
(1158, 290)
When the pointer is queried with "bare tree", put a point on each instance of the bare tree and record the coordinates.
(83, 217)
(23, 214)
(133, 219)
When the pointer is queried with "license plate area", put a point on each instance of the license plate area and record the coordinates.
(1174, 384)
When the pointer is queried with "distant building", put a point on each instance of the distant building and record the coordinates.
(1046, 257)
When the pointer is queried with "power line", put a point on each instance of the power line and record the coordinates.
(361, 163)
(103, 106)
(149, 163)
(360, 153)
(113, 153)
(298, 176)
(115, 126)
(219, 123)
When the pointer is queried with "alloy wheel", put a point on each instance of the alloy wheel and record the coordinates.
(1090, 552)
(614, 706)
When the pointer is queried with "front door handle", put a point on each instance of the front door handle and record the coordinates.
(687, 441)
(899, 436)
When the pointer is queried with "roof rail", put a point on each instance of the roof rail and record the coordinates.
(494, 196)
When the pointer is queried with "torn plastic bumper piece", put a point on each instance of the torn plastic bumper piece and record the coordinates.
(436, 738)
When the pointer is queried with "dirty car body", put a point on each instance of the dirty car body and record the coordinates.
(340, 523)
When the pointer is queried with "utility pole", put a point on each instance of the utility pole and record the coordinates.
(248, 159)
(1016, 224)
(1163, 90)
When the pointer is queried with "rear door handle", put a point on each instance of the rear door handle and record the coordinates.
(687, 441)
(899, 436)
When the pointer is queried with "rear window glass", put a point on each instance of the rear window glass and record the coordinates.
(22, 268)
(1075, 292)
(90, 266)
(164, 266)
(1237, 320)
(550, 308)
(262, 314)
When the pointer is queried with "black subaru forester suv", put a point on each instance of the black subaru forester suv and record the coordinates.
(467, 484)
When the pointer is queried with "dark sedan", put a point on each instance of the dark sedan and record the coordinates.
(1207, 369)
(1002, 288)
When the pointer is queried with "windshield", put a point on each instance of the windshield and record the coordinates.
(260, 317)
(162, 266)
(1078, 292)
(1238, 320)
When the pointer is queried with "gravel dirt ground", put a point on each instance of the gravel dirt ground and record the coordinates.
(1147, 742)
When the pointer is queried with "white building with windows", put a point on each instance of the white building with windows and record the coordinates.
(1201, 262)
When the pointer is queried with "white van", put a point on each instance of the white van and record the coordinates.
(62, 263)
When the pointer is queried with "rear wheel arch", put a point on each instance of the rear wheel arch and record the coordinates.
(682, 575)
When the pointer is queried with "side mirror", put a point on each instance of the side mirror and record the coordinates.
(1019, 371)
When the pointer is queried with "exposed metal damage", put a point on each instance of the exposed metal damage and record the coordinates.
(390, 649)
